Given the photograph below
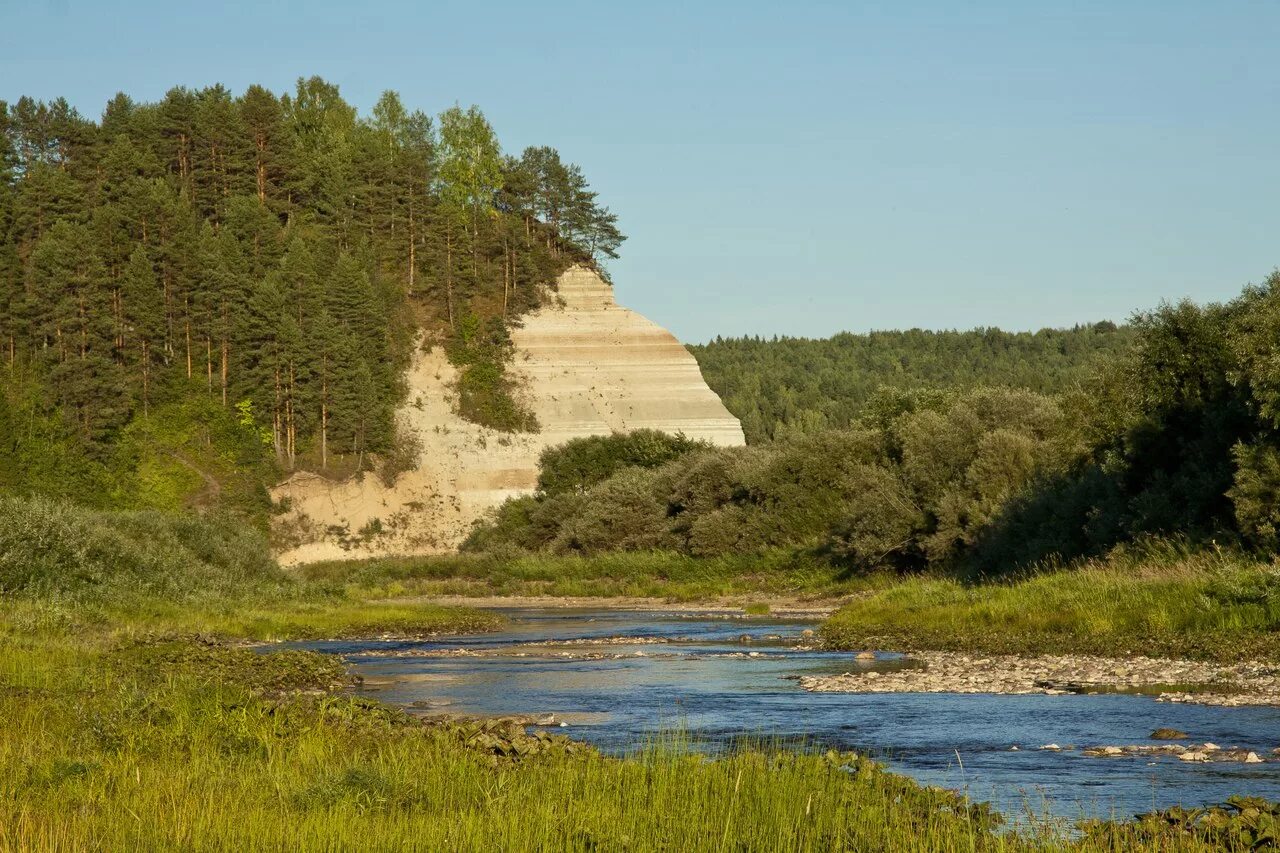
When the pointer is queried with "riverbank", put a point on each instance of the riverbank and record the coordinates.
(1197, 682)
(1162, 600)
(137, 718)
(730, 607)
(221, 747)
(781, 576)
(119, 739)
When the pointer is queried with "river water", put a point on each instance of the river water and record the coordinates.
(705, 681)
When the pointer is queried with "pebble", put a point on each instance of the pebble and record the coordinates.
(1240, 683)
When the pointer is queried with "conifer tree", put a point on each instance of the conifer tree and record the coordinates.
(144, 321)
(275, 249)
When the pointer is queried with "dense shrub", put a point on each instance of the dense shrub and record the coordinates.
(904, 491)
(578, 464)
(54, 548)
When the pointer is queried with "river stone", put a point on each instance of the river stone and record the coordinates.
(865, 656)
(1168, 734)
(1252, 758)
(1194, 756)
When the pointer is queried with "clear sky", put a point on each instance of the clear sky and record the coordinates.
(798, 168)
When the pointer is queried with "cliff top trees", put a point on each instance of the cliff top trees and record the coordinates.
(275, 249)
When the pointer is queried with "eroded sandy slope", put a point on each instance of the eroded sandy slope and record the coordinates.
(590, 367)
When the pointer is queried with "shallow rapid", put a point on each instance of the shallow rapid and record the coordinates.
(719, 679)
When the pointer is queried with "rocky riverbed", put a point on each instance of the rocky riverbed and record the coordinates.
(1206, 683)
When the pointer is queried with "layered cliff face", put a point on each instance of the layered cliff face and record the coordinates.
(587, 366)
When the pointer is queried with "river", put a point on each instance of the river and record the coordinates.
(619, 678)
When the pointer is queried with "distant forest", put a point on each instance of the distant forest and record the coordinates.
(788, 386)
(262, 261)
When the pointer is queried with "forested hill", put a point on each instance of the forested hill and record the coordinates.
(780, 385)
(261, 261)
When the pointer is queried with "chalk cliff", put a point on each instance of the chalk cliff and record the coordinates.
(588, 367)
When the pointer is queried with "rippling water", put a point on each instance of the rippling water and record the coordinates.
(703, 683)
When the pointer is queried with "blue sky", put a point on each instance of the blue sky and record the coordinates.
(799, 168)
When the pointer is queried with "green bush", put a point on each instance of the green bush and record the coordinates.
(904, 490)
(53, 548)
(579, 464)
(486, 393)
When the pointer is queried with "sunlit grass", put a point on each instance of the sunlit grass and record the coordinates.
(1155, 599)
(180, 746)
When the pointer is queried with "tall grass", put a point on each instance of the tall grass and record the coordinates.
(1155, 598)
(53, 548)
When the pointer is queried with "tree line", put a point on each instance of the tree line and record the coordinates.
(785, 386)
(274, 254)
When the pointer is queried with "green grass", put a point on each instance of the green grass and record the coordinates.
(317, 615)
(1154, 599)
(132, 744)
(630, 574)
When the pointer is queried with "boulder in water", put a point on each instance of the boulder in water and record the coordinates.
(1168, 734)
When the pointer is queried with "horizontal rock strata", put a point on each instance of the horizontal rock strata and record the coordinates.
(593, 367)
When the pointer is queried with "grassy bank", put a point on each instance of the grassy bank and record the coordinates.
(1156, 599)
(134, 719)
(179, 746)
(114, 742)
(675, 577)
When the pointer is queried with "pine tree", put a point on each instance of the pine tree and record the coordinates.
(280, 250)
(144, 320)
(74, 329)
(263, 116)
(322, 126)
